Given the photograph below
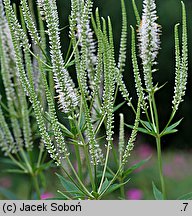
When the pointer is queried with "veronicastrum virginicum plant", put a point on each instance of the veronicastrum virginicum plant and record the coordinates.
(18, 130)
(148, 35)
(85, 107)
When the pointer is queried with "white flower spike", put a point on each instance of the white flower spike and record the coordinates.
(149, 40)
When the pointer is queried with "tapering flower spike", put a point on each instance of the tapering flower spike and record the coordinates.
(181, 58)
(149, 40)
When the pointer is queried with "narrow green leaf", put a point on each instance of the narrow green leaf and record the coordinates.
(64, 197)
(18, 171)
(171, 128)
(63, 128)
(7, 161)
(157, 193)
(142, 130)
(187, 196)
(105, 184)
(174, 125)
(69, 186)
(170, 132)
(147, 124)
(71, 63)
(107, 174)
(114, 187)
(118, 106)
(134, 167)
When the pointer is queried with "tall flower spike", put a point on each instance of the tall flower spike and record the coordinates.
(94, 148)
(83, 24)
(121, 137)
(30, 22)
(149, 41)
(181, 63)
(80, 16)
(41, 9)
(123, 44)
(122, 57)
(109, 79)
(131, 141)
(17, 33)
(3, 143)
(9, 144)
(67, 93)
(138, 82)
(8, 68)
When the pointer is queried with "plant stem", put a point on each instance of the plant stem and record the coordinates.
(168, 123)
(158, 142)
(122, 189)
(26, 160)
(115, 155)
(159, 155)
(105, 167)
(79, 164)
(95, 175)
(78, 179)
(89, 167)
(18, 163)
(111, 182)
(86, 155)
(36, 185)
(152, 114)
(40, 157)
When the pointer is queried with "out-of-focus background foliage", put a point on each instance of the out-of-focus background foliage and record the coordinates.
(178, 147)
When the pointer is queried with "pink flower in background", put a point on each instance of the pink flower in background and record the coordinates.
(5, 182)
(177, 163)
(168, 170)
(144, 151)
(134, 194)
(180, 161)
(46, 195)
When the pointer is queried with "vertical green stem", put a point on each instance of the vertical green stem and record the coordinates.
(40, 157)
(77, 151)
(111, 182)
(115, 155)
(36, 185)
(105, 167)
(158, 142)
(152, 114)
(95, 175)
(79, 164)
(122, 189)
(86, 155)
(89, 167)
(78, 179)
(17, 162)
(26, 160)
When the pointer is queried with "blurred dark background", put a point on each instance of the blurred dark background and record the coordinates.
(169, 12)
